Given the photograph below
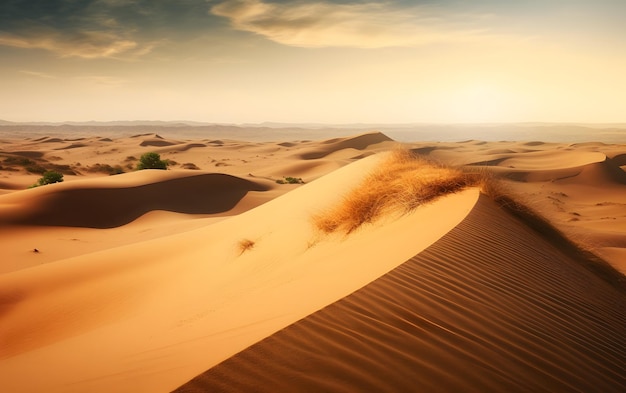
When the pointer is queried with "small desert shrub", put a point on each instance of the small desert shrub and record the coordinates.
(290, 180)
(106, 168)
(151, 161)
(399, 184)
(245, 245)
(49, 177)
(190, 165)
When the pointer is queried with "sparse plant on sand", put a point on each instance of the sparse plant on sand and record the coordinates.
(106, 168)
(401, 183)
(190, 165)
(49, 177)
(290, 180)
(151, 161)
(245, 245)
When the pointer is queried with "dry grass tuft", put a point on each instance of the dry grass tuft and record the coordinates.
(400, 184)
(245, 245)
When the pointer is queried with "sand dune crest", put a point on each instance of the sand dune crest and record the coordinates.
(333, 145)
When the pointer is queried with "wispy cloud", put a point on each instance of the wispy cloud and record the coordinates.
(361, 25)
(37, 74)
(85, 44)
(102, 80)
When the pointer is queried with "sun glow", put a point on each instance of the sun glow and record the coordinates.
(479, 103)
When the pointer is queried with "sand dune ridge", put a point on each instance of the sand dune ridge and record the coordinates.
(107, 206)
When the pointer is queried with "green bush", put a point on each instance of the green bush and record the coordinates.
(50, 177)
(151, 161)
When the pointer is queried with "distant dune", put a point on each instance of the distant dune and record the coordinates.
(215, 275)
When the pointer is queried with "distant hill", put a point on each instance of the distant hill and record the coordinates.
(408, 132)
(121, 123)
(269, 124)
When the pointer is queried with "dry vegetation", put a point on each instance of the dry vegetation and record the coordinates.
(401, 183)
(405, 181)
(106, 168)
(245, 245)
(190, 165)
(37, 165)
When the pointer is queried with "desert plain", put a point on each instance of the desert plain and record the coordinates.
(218, 274)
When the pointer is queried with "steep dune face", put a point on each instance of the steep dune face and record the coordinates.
(107, 204)
(492, 306)
(157, 142)
(599, 174)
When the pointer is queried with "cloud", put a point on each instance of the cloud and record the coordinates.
(89, 29)
(85, 44)
(37, 74)
(360, 25)
(102, 80)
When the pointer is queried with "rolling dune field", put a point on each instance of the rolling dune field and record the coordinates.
(470, 266)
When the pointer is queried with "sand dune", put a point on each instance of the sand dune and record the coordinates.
(492, 306)
(143, 280)
(259, 164)
(156, 142)
(194, 299)
(29, 154)
(334, 145)
(110, 202)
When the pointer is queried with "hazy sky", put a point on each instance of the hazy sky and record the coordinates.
(239, 61)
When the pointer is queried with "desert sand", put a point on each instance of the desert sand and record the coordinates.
(212, 276)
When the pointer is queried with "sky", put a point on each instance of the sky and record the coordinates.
(251, 61)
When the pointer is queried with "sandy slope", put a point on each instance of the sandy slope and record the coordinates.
(144, 280)
(83, 156)
(59, 220)
(491, 307)
(177, 305)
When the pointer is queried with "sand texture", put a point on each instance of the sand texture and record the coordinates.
(491, 306)
(214, 276)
